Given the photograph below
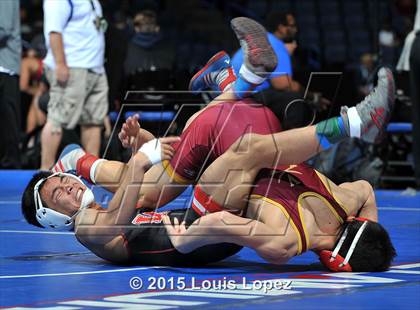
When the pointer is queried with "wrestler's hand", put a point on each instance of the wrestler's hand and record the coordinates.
(157, 150)
(130, 134)
(167, 150)
(176, 232)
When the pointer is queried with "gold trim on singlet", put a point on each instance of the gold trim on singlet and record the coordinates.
(299, 207)
(173, 175)
(327, 186)
(286, 214)
(325, 201)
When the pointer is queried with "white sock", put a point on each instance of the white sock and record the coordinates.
(250, 76)
(355, 122)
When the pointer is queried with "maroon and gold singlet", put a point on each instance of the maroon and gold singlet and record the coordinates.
(287, 186)
(284, 188)
(213, 132)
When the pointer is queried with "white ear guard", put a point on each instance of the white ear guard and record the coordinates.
(333, 260)
(49, 218)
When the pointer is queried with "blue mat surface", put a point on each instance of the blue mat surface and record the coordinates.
(51, 270)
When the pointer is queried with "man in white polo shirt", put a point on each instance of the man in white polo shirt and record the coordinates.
(10, 53)
(74, 33)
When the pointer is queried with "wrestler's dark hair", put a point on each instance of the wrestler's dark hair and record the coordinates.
(28, 202)
(373, 252)
(276, 18)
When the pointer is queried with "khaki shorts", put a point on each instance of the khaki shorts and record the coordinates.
(84, 100)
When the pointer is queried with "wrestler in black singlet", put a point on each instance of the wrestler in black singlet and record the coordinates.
(148, 243)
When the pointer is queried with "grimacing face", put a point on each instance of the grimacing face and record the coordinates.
(63, 194)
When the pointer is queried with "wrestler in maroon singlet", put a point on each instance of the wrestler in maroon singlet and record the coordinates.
(213, 132)
(285, 188)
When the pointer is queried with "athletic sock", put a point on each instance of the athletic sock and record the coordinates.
(224, 78)
(352, 122)
(331, 131)
(246, 82)
(87, 165)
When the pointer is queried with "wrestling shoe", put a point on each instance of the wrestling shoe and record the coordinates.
(369, 118)
(67, 161)
(259, 56)
(216, 75)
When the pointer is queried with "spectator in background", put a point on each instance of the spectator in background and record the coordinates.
(25, 25)
(148, 49)
(365, 75)
(410, 61)
(10, 54)
(387, 44)
(281, 29)
(74, 65)
(30, 83)
(116, 39)
(280, 92)
(291, 47)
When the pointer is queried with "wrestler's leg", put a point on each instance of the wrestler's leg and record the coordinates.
(229, 178)
(259, 61)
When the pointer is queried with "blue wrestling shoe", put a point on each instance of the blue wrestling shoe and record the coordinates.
(68, 158)
(216, 75)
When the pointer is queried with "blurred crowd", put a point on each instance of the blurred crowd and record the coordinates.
(158, 45)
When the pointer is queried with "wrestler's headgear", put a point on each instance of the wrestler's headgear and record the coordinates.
(50, 218)
(334, 261)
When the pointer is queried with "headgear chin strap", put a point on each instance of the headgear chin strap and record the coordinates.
(49, 218)
(334, 261)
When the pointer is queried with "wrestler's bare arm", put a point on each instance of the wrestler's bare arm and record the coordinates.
(115, 220)
(110, 174)
(100, 227)
(159, 188)
(366, 196)
(222, 227)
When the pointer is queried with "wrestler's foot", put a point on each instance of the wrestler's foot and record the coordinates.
(68, 158)
(217, 74)
(259, 57)
(369, 118)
